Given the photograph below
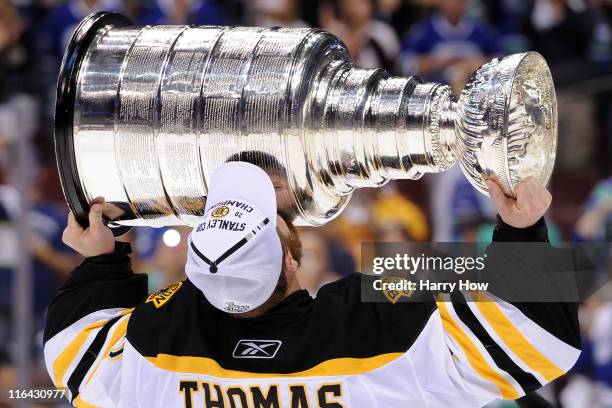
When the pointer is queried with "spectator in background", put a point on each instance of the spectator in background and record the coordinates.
(7, 372)
(471, 211)
(8, 243)
(562, 31)
(595, 223)
(315, 268)
(199, 12)
(17, 110)
(601, 55)
(600, 334)
(354, 225)
(507, 16)
(372, 42)
(146, 242)
(13, 57)
(402, 14)
(375, 215)
(52, 36)
(396, 218)
(448, 46)
(52, 260)
(57, 28)
(590, 381)
(601, 42)
(167, 265)
(341, 260)
(17, 122)
(272, 13)
(61, 21)
(474, 217)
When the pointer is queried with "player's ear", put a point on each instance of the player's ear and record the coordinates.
(290, 265)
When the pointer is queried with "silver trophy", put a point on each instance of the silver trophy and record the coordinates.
(145, 114)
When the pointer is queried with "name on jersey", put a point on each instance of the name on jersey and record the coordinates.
(211, 395)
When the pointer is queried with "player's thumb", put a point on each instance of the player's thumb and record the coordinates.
(497, 195)
(95, 217)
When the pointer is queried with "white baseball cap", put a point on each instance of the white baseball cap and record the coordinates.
(235, 255)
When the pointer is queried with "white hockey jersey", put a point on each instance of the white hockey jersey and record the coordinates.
(112, 345)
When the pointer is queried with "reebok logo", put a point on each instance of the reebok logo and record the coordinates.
(256, 348)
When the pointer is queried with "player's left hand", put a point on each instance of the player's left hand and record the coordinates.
(531, 202)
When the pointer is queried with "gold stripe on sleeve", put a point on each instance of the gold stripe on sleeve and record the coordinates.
(475, 358)
(67, 356)
(119, 332)
(514, 339)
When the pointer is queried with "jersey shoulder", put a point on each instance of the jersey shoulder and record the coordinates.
(156, 315)
(351, 307)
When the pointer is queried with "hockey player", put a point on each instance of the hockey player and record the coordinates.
(239, 331)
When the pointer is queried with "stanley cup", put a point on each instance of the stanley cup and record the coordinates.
(145, 114)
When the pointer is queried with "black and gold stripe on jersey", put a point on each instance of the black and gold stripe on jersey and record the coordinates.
(526, 380)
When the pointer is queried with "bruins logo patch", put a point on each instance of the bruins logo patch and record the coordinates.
(394, 295)
(220, 212)
(160, 297)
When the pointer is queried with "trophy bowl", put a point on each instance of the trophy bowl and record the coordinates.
(506, 122)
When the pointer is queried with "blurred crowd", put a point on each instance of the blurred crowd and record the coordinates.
(441, 41)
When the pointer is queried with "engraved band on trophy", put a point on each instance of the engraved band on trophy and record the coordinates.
(145, 114)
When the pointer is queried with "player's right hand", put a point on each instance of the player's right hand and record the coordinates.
(97, 239)
(531, 202)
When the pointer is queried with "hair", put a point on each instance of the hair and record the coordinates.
(291, 244)
(267, 161)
